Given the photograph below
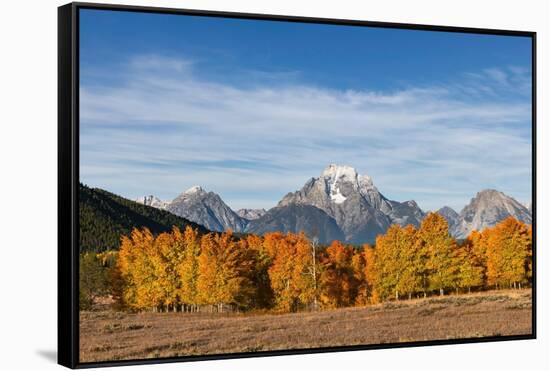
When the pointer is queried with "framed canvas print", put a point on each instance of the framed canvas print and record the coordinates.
(237, 185)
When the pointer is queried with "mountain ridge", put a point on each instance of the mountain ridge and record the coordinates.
(105, 217)
(359, 209)
(297, 218)
(486, 209)
(207, 209)
(251, 214)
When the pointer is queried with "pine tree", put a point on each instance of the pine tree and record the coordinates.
(93, 279)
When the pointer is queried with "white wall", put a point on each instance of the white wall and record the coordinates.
(28, 182)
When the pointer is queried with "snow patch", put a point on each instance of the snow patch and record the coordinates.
(152, 201)
(337, 197)
(340, 171)
(193, 189)
(334, 173)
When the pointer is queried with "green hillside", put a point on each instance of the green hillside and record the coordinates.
(104, 217)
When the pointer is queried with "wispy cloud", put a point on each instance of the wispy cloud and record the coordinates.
(155, 62)
(164, 126)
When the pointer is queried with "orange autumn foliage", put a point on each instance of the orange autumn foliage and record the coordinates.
(340, 285)
(185, 271)
(508, 253)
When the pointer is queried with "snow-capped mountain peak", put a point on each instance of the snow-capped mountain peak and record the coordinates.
(365, 181)
(190, 193)
(336, 196)
(337, 172)
(194, 189)
(153, 201)
(357, 206)
(207, 209)
(334, 175)
(251, 214)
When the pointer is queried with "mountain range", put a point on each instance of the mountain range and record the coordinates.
(207, 209)
(251, 214)
(339, 204)
(486, 209)
(105, 217)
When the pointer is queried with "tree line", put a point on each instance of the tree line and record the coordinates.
(184, 270)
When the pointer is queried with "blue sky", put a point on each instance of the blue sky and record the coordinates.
(252, 109)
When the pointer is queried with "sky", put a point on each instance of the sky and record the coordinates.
(253, 109)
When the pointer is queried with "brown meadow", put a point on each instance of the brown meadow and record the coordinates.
(109, 335)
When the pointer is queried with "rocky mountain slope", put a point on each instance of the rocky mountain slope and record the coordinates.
(207, 209)
(488, 208)
(295, 218)
(452, 217)
(354, 202)
(251, 214)
(339, 204)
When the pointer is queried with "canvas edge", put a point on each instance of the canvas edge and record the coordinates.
(68, 175)
(67, 249)
(301, 19)
(534, 180)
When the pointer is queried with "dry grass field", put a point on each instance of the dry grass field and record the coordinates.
(107, 335)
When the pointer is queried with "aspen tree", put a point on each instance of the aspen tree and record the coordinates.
(477, 246)
(470, 265)
(412, 261)
(259, 275)
(439, 246)
(388, 262)
(223, 269)
(290, 273)
(371, 276)
(507, 254)
(358, 268)
(337, 279)
(188, 267)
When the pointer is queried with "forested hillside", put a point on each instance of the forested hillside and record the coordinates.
(105, 217)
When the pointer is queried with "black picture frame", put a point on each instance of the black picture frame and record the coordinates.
(68, 180)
